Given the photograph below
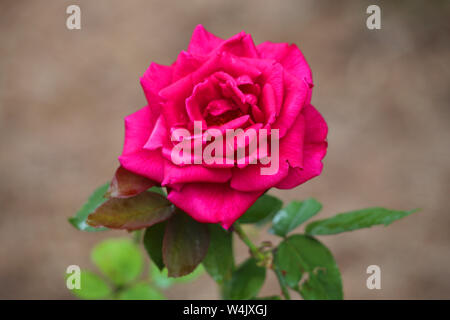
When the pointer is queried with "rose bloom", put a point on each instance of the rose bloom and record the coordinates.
(226, 84)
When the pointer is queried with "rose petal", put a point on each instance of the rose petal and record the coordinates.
(314, 150)
(159, 135)
(268, 103)
(174, 174)
(289, 56)
(134, 158)
(295, 95)
(203, 93)
(175, 94)
(291, 146)
(203, 41)
(138, 127)
(185, 64)
(271, 73)
(316, 129)
(173, 105)
(234, 124)
(250, 178)
(154, 79)
(296, 64)
(240, 45)
(258, 115)
(218, 107)
(213, 203)
(312, 166)
(228, 64)
(149, 164)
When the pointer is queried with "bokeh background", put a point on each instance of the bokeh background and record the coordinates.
(384, 93)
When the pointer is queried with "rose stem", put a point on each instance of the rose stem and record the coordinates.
(259, 256)
(253, 248)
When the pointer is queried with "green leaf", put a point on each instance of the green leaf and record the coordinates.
(185, 244)
(92, 287)
(219, 260)
(309, 268)
(246, 281)
(293, 215)
(127, 184)
(153, 241)
(95, 200)
(262, 210)
(191, 276)
(118, 259)
(353, 220)
(161, 279)
(141, 291)
(141, 211)
(282, 282)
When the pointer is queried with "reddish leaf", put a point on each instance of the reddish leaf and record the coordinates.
(141, 211)
(127, 184)
(185, 244)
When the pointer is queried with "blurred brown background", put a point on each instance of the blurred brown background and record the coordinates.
(384, 93)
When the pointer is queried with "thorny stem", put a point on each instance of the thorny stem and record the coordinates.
(260, 256)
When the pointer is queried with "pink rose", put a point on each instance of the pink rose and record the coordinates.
(226, 84)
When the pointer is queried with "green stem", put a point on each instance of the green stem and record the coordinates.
(257, 254)
(252, 247)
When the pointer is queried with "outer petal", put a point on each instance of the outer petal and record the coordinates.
(295, 95)
(138, 127)
(240, 45)
(203, 41)
(154, 79)
(174, 97)
(312, 166)
(146, 163)
(316, 129)
(186, 63)
(250, 178)
(289, 56)
(315, 149)
(290, 154)
(134, 158)
(213, 203)
(174, 174)
(291, 146)
(159, 135)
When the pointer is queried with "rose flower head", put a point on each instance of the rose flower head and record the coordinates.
(226, 85)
